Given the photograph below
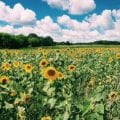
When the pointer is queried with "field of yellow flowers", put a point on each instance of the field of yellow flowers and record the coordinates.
(60, 84)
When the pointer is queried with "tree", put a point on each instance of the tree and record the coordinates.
(33, 42)
(20, 41)
(47, 41)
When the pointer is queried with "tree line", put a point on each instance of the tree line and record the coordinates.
(22, 41)
(33, 40)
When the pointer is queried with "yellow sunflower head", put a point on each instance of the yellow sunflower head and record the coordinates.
(118, 55)
(91, 82)
(113, 96)
(40, 49)
(26, 98)
(44, 55)
(13, 93)
(4, 80)
(43, 63)
(46, 118)
(6, 66)
(50, 73)
(71, 67)
(60, 75)
(110, 59)
(16, 64)
(28, 68)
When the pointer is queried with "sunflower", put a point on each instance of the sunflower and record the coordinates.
(118, 55)
(110, 59)
(113, 96)
(28, 68)
(60, 75)
(46, 118)
(50, 73)
(4, 80)
(16, 64)
(71, 67)
(43, 63)
(44, 55)
(40, 49)
(26, 98)
(13, 93)
(98, 50)
(6, 66)
(91, 82)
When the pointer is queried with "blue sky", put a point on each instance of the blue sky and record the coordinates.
(97, 18)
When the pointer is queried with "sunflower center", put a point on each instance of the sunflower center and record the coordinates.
(72, 67)
(51, 72)
(27, 98)
(4, 81)
(7, 65)
(28, 67)
(43, 63)
(60, 75)
(118, 55)
(113, 95)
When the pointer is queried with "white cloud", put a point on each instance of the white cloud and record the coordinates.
(48, 25)
(76, 7)
(103, 21)
(95, 27)
(16, 15)
(69, 23)
(43, 27)
(116, 14)
(63, 4)
(113, 34)
(24, 30)
(7, 29)
(81, 6)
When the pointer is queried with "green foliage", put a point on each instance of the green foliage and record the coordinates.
(21, 41)
(71, 98)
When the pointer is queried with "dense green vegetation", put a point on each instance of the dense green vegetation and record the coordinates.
(60, 84)
(21, 41)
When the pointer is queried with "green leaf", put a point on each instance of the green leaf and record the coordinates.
(95, 116)
(52, 102)
(98, 97)
(99, 108)
(30, 90)
(50, 91)
(66, 115)
(8, 105)
(99, 89)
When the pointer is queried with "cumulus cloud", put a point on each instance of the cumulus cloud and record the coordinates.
(76, 7)
(69, 23)
(7, 28)
(103, 21)
(16, 15)
(48, 25)
(95, 27)
(116, 14)
(81, 6)
(63, 4)
(104, 26)
(43, 27)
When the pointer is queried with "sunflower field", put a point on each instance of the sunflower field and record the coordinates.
(60, 84)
